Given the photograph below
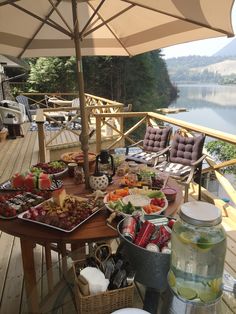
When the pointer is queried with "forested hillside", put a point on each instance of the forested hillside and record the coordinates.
(141, 80)
(202, 69)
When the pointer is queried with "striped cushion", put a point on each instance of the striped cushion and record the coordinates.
(143, 157)
(173, 169)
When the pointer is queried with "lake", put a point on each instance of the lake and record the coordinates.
(213, 106)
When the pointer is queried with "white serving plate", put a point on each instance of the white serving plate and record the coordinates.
(20, 216)
(131, 198)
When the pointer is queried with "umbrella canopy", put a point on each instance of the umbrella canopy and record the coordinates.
(106, 27)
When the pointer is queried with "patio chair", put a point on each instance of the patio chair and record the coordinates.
(13, 116)
(46, 100)
(30, 111)
(13, 105)
(73, 115)
(155, 140)
(184, 159)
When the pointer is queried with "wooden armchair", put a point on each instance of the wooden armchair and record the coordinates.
(155, 140)
(30, 111)
(184, 159)
(74, 116)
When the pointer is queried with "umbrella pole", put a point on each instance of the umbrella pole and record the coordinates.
(84, 136)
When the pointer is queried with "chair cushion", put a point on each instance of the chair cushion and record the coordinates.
(143, 157)
(174, 170)
(185, 150)
(156, 139)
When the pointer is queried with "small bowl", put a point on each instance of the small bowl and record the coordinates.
(170, 194)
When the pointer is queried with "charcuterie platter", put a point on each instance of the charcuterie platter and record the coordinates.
(63, 212)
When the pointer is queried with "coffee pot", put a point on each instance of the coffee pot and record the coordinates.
(105, 164)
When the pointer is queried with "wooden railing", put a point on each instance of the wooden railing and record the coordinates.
(91, 100)
(94, 105)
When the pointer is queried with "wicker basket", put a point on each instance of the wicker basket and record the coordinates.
(105, 302)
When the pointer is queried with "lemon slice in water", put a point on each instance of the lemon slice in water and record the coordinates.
(207, 296)
(187, 293)
(185, 237)
(215, 285)
(171, 279)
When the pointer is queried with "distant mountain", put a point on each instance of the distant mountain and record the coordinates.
(199, 69)
(224, 68)
(228, 51)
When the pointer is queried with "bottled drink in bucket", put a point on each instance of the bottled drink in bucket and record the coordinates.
(198, 247)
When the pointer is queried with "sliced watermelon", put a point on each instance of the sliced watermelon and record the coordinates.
(30, 182)
(17, 181)
(44, 181)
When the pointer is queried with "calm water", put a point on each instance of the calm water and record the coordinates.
(213, 106)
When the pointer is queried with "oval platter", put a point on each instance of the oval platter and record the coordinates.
(126, 201)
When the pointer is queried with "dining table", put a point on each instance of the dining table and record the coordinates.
(59, 102)
(92, 230)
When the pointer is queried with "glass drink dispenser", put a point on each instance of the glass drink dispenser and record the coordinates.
(198, 244)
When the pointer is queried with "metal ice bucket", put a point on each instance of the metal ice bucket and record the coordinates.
(151, 267)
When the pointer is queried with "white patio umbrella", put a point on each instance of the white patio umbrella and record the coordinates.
(106, 27)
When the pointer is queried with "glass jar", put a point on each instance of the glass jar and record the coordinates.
(79, 175)
(198, 248)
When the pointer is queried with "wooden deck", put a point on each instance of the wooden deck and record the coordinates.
(18, 155)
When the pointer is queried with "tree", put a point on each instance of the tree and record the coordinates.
(223, 151)
(141, 80)
(52, 75)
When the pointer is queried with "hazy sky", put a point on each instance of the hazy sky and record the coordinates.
(205, 47)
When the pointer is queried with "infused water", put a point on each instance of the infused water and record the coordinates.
(197, 261)
(198, 247)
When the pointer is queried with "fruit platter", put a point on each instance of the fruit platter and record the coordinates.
(56, 168)
(126, 201)
(13, 203)
(29, 181)
(77, 157)
(63, 212)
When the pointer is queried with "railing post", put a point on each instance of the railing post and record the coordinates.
(41, 135)
(122, 126)
(42, 146)
(98, 134)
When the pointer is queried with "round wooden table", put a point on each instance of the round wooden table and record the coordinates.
(94, 229)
